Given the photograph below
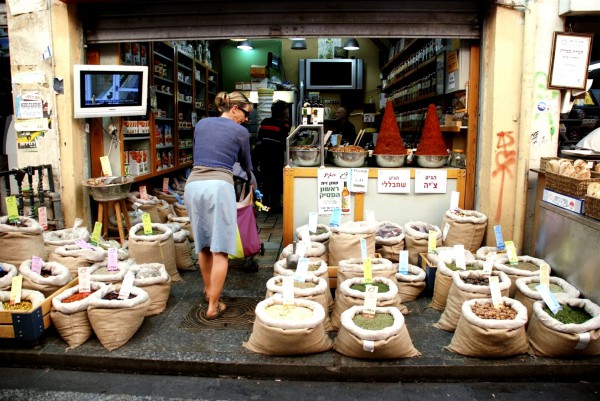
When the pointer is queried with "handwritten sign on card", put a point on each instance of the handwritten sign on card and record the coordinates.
(393, 181)
(430, 181)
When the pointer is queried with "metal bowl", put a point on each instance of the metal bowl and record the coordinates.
(431, 161)
(304, 157)
(390, 160)
(348, 159)
(109, 188)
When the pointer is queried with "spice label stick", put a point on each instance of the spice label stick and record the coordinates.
(548, 298)
(445, 231)
(15, 290)
(84, 279)
(147, 223)
(83, 245)
(36, 264)
(368, 268)
(454, 198)
(511, 252)
(143, 192)
(126, 286)
(301, 249)
(489, 263)
(312, 221)
(301, 270)
(43, 217)
(96, 233)
(432, 241)
(13, 210)
(106, 169)
(499, 239)
(495, 291)
(287, 288)
(370, 216)
(363, 248)
(305, 234)
(403, 262)
(545, 274)
(459, 256)
(112, 265)
(166, 185)
(370, 301)
(336, 216)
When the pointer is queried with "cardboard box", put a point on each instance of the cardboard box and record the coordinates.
(243, 86)
(259, 83)
(563, 201)
(259, 71)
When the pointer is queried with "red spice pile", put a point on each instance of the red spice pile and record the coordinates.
(432, 143)
(78, 296)
(389, 141)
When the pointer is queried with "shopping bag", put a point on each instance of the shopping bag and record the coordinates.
(239, 248)
(246, 224)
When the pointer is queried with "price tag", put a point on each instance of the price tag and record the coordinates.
(370, 301)
(43, 217)
(495, 291)
(84, 279)
(545, 274)
(301, 249)
(126, 286)
(489, 263)
(511, 251)
(83, 245)
(113, 260)
(147, 223)
(459, 256)
(301, 270)
(105, 163)
(363, 248)
(403, 262)
(13, 210)
(305, 235)
(445, 231)
(177, 197)
(166, 185)
(36, 264)
(370, 216)
(96, 233)
(368, 270)
(312, 221)
(336, 217)
(143, 192)
(548, 298)
(287, 288)
(499, 239)
(454, 198)
(15, 289)
(432, 242)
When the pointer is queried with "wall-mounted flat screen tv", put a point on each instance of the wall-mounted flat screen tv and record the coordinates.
(109, 90)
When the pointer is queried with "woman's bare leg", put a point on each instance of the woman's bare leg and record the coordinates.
(217, 281)
(205, 260)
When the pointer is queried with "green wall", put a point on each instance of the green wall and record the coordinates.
(236, 62)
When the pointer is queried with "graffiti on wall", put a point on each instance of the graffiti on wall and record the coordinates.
(506, 158)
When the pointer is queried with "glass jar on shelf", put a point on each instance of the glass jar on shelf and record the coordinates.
(458, 159)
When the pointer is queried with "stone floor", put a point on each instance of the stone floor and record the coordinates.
(178, 341)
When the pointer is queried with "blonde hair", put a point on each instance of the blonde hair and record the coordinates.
(225, 101)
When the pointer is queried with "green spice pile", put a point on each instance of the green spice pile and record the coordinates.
(23, 305)
(320, 230)
(469, 266)
(381, 287)
(380, 321)
(532, 267)
(154, 232)
(569, 314)
(312, 266)
(553, 287)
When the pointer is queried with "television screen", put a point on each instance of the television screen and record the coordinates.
(114, 89)
(331, 74)
(273, 61)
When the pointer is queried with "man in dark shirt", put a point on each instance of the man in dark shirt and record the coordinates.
(344, 126)
(271, 153)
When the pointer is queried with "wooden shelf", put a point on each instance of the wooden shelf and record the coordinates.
(426, 65)
(415, 100)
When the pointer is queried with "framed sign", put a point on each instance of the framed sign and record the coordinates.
(570, 60)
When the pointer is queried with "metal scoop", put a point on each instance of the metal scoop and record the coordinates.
(292, 259)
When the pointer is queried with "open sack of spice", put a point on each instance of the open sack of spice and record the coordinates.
(315, 250)
(183, 250)
(528, 294)
(115, 320)
(416, 239)
(572, 332)
(486, 331)
(69, 314)
(7, 272)
(464, 227)
(445, 262)
(154, 279)
(282, 330)
(180, 210)
(316, 267)
(67, 236)
(149, 205)
(158, 247)
(526, 266)
(168, 197)
(482, 253)
(384, 336)
(104, 273)
(184, 224)
(468, 285)
(322, 234)
(51, 277)
(313, 288)
(74, 256)
(21, 240)
(354, 268)
(352, 292)
(345, 240)
(30, 300)
(389, 240)
(411, 284)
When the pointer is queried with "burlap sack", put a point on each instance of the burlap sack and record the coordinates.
(184, 223)
(490, 338)
(316, 250)
(180, 210)
(352, 268)
(115, 322)
(159, 248)
(465, 227)
(443, 279)
(154, 279)
(515, 273)
(68, 236)
(323, 236)
(550, 338)
(59, 276)
(318, 293)
(98, 271)
(390, 343)
(6, 280)
(150, 205)
(528, 296)
(71, 319)
(316, 267)
(22, 241)
(183, 251)
(347, 297)
(345, 241)
(389, 240)
(482, 253)
(285, 337)
(168, 197)
(35, 297)
(461, 292)
(416, 239)
(73, 257)
(164, 210)
(122, 253)
(411, 285)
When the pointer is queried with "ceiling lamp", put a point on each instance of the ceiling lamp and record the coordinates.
(298, 44)
(351, 44)
(245, 45)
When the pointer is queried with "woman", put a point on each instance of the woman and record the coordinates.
(209, 193)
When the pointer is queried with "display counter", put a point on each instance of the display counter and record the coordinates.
(300, 197)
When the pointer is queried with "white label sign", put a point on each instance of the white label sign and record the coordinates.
(359, 180)
(312, 221)
(126, 286)
(459, 256)
(370, 216)
(430, 181)
(454, 198)
(301, 270)
(330, 186)
(403, 262)
(287, 287)
(84, 279)
(370, 301)
(393, 181)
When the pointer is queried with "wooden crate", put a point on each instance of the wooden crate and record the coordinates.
(30, 325)
(332, 276)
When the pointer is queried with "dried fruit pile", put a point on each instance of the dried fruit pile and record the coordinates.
(488, 311)
(23, 305)
(476, 280)
(349, 149)
(112, 296)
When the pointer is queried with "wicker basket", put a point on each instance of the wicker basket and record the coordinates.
(544, 162)
(568, 185)
(591, 207)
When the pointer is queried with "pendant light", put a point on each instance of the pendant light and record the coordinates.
(245, 45)
(298, 44)
(351, 44)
